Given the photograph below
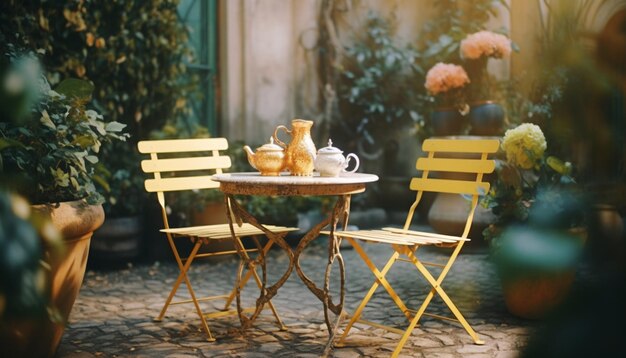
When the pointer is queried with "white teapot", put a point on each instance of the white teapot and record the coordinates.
(329, 161)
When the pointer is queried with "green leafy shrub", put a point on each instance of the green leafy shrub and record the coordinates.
(283, 210)
(133, 51)
(120, 180)
(22, 85)
(377, 86)
(441, 38)
(50, 157)
(452, 22)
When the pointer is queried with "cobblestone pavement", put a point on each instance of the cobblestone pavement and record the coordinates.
(113, 314)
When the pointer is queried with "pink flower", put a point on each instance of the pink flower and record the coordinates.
(443, 77)
(487, 44)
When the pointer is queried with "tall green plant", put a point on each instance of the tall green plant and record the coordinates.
(133, 51)
(588, 111)
(377, 86)
(452, 22)
(50, 156)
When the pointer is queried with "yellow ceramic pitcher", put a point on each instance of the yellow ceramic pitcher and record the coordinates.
(300, 153)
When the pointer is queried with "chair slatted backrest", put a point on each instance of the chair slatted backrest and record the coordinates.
(179, 171)
(474, 160)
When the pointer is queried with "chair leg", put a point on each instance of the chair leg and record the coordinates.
(416, 318)
(380, 275)
(436, 284)
(183, 276)
(233, 293)
(380, 280)
(179, 279)
(407, 332)
(446, 299)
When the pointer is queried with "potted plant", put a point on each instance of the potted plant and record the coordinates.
(375, 90)
(138, 67)
(379, 108)
(445, 82)
(485, 116)
(538, 234)
(48, 156)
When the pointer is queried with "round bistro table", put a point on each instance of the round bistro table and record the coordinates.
(342, 187)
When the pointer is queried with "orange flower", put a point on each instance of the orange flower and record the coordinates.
(100, 43)
(487, 44)
(90, 39)
(443, 77)
(80, 70)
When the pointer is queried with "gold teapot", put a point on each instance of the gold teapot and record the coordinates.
(269, 158)
(300, 153)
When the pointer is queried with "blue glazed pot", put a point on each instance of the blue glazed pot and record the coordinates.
(486, 118)
(447, 121)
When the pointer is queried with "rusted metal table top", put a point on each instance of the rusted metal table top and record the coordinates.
(256, 184)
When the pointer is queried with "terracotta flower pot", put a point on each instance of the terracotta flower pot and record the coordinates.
(534, 297)
(39, 337)
(537, 268)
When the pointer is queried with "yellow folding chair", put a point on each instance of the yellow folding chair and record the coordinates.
(405, 242)
(187, 164)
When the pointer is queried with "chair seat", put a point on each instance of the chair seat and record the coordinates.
(222, 231)
(398, 236)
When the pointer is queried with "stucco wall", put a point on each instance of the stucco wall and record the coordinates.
(268, 71)
(263, 67)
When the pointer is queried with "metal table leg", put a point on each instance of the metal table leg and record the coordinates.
(267, 292)
(340, 212)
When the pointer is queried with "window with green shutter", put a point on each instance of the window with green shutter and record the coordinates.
(200, 17)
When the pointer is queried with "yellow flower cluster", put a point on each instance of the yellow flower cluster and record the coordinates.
(485, 43)
(443, 77)
(524, 145)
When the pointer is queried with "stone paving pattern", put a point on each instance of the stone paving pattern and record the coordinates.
(113, 315)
